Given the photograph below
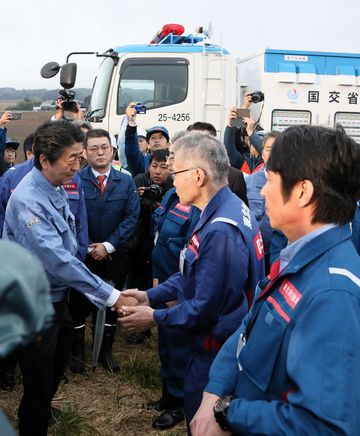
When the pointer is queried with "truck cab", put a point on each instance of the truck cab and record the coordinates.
(180, 79)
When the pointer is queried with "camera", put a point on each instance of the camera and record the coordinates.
(16, 116)
(140, 108)
(257, 97)
(69, 102)
(152, 194)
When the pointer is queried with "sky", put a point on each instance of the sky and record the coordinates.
(39, 31)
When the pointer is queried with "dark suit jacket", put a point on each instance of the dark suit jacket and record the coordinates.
(237, 184)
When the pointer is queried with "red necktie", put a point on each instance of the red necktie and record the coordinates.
(102, 186)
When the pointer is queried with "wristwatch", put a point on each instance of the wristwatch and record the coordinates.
(221, 409)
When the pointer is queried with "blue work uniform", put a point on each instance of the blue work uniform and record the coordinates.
(254, 183)
(12, 178)
(174, 224)
(38, 216)
(293, 366)
(222, 261)
(355, 228)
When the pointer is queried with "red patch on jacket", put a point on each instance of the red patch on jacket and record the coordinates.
(183, 207)
(290, 293)
(259, 246)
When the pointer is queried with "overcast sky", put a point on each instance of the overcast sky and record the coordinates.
(35, 32)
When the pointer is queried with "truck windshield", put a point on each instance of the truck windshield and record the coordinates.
(100, 89)
(153, 82)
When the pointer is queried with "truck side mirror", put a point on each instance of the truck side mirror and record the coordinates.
(49, 70)
(68, 75)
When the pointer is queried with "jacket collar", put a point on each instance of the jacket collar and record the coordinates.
(87, 174)
(217, 200)
(318, 246)
(57, 196)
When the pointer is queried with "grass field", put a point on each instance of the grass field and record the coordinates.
(99, 403)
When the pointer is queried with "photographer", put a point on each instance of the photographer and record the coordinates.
(152, 186)
(157, 138)
(66, 103)
(243, 145)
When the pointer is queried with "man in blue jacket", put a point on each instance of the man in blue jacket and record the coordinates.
(222, 262)
(293, 366)
(113, 207)
(8, 183)
(38, 217)
(174, 225)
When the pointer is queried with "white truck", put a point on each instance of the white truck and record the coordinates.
(304, 87)
(182, 79)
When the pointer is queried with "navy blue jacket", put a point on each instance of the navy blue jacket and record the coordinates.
(221, 262)
(298, 371)
(244, 162)
(174, 224)
(137, 162)
(2, 139)
(13, 177)
(113, 216)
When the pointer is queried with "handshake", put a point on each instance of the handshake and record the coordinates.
(134, 309)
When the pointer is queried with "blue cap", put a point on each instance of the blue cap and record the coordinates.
(158, 129)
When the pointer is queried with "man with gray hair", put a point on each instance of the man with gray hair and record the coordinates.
(219, 266)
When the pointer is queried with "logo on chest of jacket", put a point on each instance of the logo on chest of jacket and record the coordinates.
(290, 293)
(183, 207)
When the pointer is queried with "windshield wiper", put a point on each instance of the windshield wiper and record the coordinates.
(94, 112)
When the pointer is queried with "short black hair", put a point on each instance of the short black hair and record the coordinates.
(97, 133)
(28, 143)
(52, 138)
(159, 155)
(202, 126)
(328, 158)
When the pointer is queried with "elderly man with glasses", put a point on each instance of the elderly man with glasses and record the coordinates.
(219, 266)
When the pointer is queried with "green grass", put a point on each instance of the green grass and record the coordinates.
(141, 369)
(71, 423)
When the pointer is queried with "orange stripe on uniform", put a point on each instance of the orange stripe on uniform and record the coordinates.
(278, 309)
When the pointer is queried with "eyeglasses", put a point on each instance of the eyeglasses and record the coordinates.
(174, 173)
(96, 149)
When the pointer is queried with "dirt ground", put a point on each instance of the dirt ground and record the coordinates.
(99, 403)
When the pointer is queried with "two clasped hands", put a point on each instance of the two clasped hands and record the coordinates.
(134, 310)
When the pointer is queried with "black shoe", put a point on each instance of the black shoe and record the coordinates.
(77, 358)
(169, 418)
(158, 405)
(105, 358)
